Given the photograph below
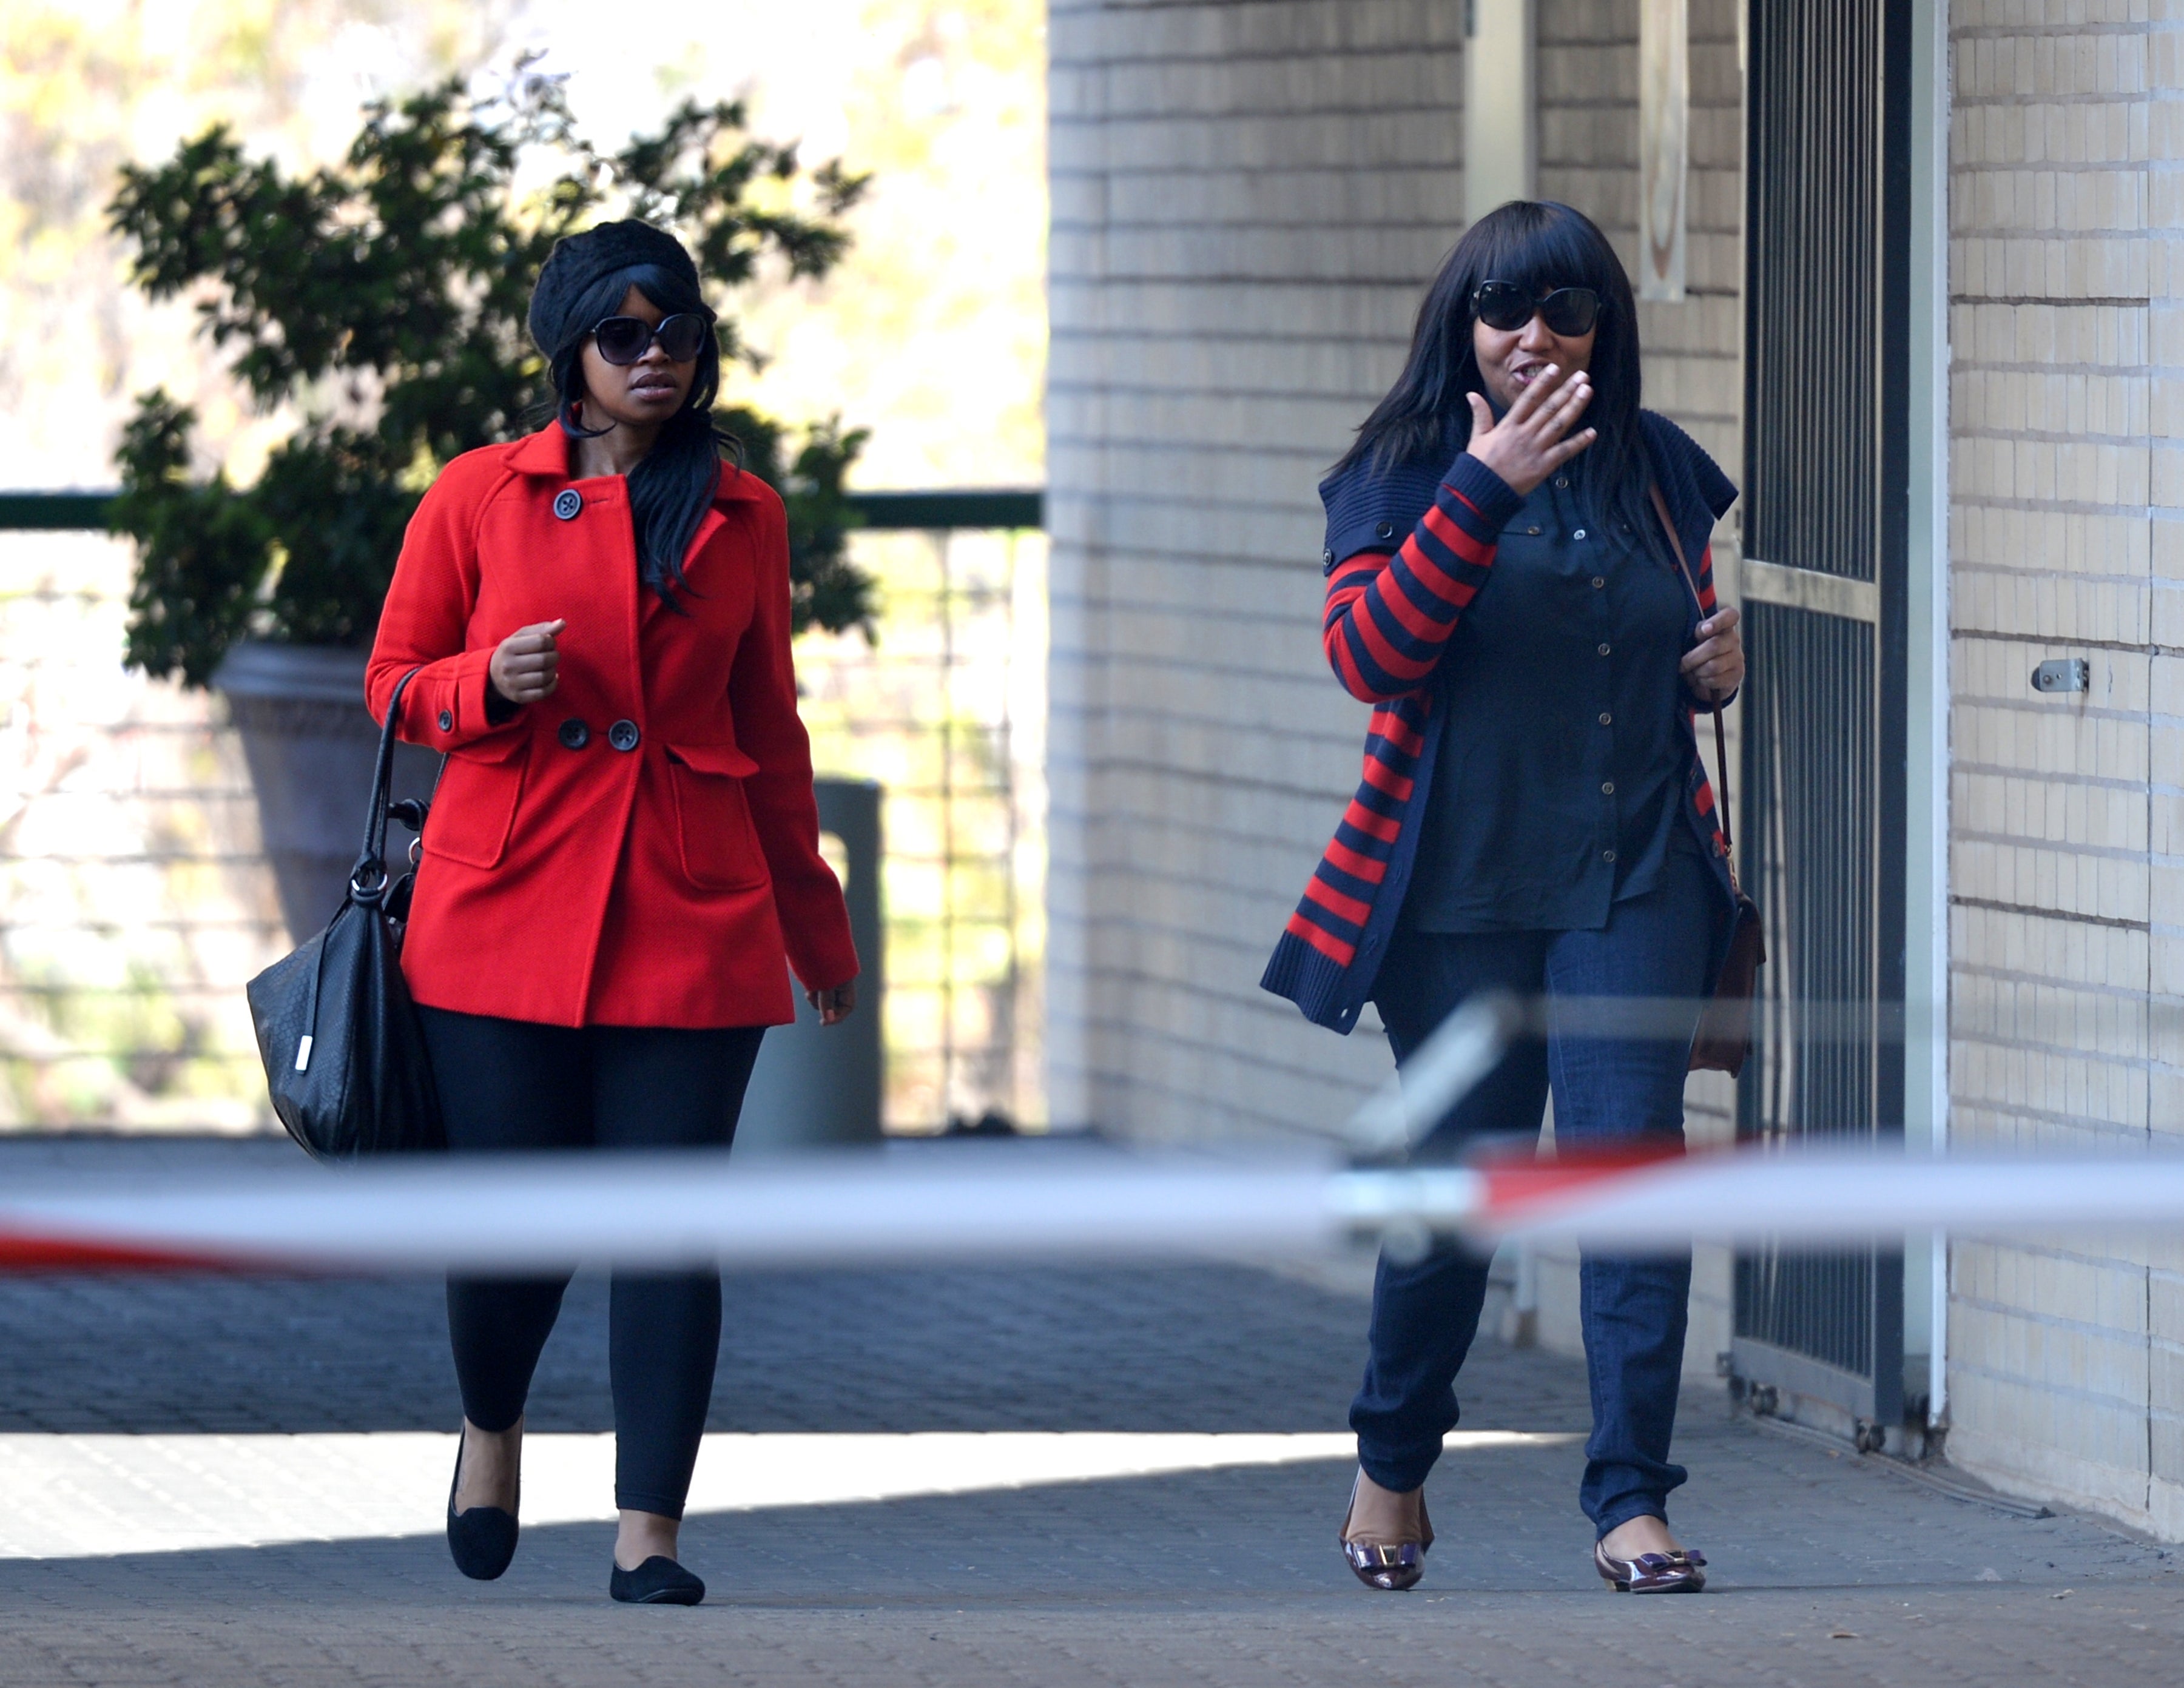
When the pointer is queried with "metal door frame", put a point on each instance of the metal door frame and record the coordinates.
(1874, 1401)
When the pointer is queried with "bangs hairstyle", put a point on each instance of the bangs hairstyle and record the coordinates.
(1540, 245)
(674, 483)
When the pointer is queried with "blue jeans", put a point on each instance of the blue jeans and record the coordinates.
(1606, 1090)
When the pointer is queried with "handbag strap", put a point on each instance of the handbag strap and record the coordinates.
(1720, 737)
(367, 880)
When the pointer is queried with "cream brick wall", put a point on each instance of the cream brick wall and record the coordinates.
(2067, 928)
(1249, 200)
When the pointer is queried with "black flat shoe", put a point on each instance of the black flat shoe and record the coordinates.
(481, 1540)
(659, 1581)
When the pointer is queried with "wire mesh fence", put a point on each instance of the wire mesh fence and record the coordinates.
(947, 710)
(135, 899)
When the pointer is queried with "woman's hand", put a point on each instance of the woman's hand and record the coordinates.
(1715, 666)
(834, 1006)
(1527, 445)
(525, 666)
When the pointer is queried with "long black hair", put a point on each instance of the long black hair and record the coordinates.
(1540, 245)
(674, 483)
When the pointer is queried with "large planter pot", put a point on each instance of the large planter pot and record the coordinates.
(309, 739)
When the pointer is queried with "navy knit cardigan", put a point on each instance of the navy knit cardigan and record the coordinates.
(1390, 609)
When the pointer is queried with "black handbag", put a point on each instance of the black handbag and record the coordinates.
(1724, 1038)
(344, 1053)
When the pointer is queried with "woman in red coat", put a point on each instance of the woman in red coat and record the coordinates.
(622, 860)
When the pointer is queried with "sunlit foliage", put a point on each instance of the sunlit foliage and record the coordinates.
(382, 297)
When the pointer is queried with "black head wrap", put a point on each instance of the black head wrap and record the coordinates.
(580, 262)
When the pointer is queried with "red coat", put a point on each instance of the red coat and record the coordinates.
(641, 848)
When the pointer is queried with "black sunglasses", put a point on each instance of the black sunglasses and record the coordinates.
(1507, 307)
(625, 339)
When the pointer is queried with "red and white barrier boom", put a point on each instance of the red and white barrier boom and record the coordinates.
(973, 1202)
(1045, 1201)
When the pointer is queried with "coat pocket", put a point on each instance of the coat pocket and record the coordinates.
(473, 809)
(720, 845)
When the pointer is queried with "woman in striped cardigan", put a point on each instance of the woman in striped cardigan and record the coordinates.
(1504, 586)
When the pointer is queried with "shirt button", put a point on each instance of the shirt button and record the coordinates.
(623, 735)
(447, 722)
(1599, 581)
(1606, 718)
(1327, 558)
(1386, 530)
(1562, 480)
(569, 504)
(1601, 648)
(1608, 856)
(1533, 528)
(1579, 534)
(1608, 788)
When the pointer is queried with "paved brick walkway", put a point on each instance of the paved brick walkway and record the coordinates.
(1829, 1567)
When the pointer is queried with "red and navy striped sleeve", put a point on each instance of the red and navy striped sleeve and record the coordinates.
(1387, 617)
(1702, 589)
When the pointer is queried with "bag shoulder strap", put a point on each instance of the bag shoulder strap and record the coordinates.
(1720, 736)
(368, 879)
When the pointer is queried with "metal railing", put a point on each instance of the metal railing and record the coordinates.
(1001, 507)
(127, 928)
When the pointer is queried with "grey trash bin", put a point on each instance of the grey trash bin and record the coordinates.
(820, 1085)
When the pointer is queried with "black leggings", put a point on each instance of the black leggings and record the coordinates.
(514, 1084)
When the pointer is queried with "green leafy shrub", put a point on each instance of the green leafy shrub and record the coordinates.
(383, 299)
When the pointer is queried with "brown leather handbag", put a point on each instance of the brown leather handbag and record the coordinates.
(1723, 1037)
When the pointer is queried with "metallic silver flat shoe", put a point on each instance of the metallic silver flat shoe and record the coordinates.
(1677, 1572)
(1392, 1565)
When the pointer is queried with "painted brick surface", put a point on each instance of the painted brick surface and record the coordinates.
(1247, 199)
(2066, 1357)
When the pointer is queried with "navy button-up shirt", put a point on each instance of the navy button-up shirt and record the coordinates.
(1556, 788)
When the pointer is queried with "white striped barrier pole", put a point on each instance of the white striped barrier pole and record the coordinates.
(511, 1212)
(996, 1202)
(977, 1202)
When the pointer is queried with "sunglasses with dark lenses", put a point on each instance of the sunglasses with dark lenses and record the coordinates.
(625, 339)
(1507, 307)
